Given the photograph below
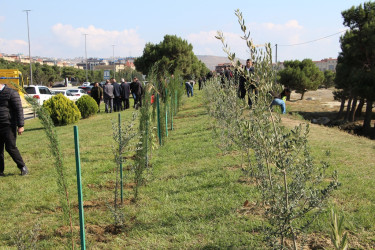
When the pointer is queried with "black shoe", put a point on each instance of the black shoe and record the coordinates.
(2, 174)
(24, 171)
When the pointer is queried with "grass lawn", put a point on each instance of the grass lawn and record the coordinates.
(194, 195)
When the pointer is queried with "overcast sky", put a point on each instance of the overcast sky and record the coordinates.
(57, 27)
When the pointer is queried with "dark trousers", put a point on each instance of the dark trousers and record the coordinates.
(138, 101)
(8, 137)
(98, 102)
(126, 103)
(117, 103)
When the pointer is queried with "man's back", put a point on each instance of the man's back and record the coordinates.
(108, 91)
(116, 89)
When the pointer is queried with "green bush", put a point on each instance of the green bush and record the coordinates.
(87, 106)
(62, 110)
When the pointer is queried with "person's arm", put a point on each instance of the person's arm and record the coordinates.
(16, 104)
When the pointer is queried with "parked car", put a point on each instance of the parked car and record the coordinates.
(42, 93)
(77, 92)
(58, 85)
(102, 83)
(87, 89)
(66, 93)
(86, 84)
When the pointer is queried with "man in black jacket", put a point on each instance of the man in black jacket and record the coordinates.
(11, 122)
(251, 88)
(117, 94)
(125, 93)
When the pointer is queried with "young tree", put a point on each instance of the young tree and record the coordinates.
(301, 76)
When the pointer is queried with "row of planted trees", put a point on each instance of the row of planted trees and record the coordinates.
(292, 187)
(133, 145)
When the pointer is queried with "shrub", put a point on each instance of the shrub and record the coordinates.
(87, 106)
(62, 110)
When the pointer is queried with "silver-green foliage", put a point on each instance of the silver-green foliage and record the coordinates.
(123, 135)
(27, 239)
(292, 186)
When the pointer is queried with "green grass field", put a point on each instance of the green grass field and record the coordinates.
(194, 195)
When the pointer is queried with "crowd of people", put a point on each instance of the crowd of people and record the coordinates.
(227, 76)
(116, 95)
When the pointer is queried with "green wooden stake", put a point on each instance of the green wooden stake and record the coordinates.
(147, 125)
(166, 112)
(171, 112)
(158, 114)
(175, 102)
(120, 155)
(79, 187)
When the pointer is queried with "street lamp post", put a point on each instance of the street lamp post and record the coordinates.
(114, 65)
(28, 36)
(86, 56)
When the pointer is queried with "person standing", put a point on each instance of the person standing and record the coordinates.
(138, 93)
(108, 96)
(97, 94)
(125, 93)
(133, 89)
(11, 123)
(117, 94)
(248, 70)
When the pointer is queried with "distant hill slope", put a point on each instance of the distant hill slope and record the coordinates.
(212, 61)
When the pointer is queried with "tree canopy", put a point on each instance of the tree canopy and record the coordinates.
(301, 76)
(171, 55)
(355, 71)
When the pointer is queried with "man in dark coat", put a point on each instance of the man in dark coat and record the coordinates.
(248, 71)
(97, 94)
(134, 89)
(11, 123)
(117, 94)
(125, 93)
(139, 92)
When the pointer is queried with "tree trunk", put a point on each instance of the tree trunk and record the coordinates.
(358, 112)
(352, 111)
(348, 109)
(342, 106)
(367, 120)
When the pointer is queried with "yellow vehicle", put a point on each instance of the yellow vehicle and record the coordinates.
(13, 78)
(8, 76)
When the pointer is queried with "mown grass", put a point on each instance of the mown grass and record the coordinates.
(194, 195)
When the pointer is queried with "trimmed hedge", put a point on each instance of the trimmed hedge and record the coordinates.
(87, 106)
(62, 110)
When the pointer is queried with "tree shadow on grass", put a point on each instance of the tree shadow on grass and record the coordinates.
(33, 129)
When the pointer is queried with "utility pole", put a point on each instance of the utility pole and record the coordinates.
(28, 36)
(114, 65)
(86, 56)
(276, 53)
